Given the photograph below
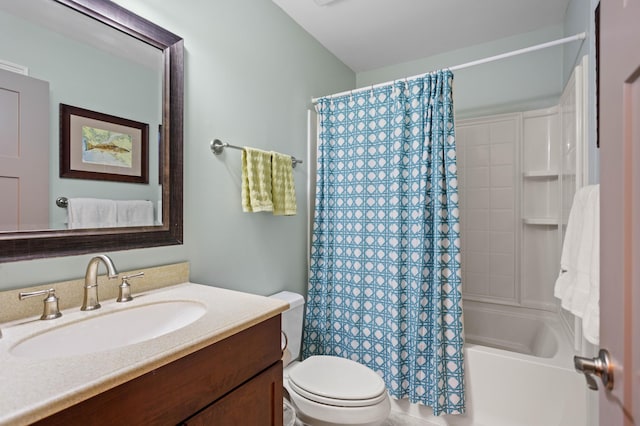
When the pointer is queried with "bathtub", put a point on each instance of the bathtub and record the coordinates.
(518, 372)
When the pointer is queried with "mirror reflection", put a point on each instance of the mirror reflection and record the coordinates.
(57, 56)
(30, 240)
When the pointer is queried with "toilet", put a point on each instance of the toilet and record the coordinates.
(328, 390)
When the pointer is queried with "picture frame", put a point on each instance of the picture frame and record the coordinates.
(99, 146)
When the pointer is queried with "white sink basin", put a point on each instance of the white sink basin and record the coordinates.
(110, 330)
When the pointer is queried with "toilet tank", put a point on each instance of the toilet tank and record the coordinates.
(292, 320)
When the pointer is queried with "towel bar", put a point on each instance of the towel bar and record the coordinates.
(63, 202)
(217, 147)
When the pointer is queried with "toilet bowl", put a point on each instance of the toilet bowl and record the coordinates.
(328, 390)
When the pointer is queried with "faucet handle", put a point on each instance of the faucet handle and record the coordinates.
(51, 309)
(125, 288)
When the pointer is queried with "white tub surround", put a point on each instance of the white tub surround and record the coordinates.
(518, 173)
(523, 331)
(39, 388)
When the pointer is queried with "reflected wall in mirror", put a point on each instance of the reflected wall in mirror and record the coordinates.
(96, 55)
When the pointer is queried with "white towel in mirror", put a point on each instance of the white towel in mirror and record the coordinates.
(91, 213)
(134, 213)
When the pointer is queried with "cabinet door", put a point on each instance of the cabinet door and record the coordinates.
(258, 402)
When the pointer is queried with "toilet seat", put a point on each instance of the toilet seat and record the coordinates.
(337, 382)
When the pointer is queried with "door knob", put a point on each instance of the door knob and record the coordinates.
(599, 366)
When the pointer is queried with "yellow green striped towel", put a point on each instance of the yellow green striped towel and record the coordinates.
(283, 190)
(256, 180)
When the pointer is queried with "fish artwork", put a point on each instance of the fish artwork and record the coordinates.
(105, 147)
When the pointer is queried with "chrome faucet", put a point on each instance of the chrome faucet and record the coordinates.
(91, 301)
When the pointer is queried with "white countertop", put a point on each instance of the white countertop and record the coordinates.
(33, 389)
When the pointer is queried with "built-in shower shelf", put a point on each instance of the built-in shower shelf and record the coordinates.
(546, 221)
(540, 174)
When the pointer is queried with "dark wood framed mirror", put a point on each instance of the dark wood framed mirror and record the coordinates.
(23, 245)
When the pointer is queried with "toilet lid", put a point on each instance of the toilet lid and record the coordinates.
(337, 381)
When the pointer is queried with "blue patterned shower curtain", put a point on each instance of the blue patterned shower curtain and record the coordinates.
(384, 283)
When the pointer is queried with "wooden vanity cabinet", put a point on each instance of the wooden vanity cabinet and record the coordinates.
(237, 381)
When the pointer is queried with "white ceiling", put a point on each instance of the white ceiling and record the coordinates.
(369, 34)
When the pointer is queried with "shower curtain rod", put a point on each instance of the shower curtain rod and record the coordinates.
(580, 36)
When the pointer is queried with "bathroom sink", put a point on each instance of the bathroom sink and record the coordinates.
(110, 330)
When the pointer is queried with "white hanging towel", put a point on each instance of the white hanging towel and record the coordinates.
(578, 285)
(134, 213)
(91, 213)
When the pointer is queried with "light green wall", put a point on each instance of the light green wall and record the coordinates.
(527, 81)
(250, 73)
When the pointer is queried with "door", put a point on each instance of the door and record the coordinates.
(24, 152)
(620, 207)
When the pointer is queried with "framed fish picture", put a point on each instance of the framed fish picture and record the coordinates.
(99, 146)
